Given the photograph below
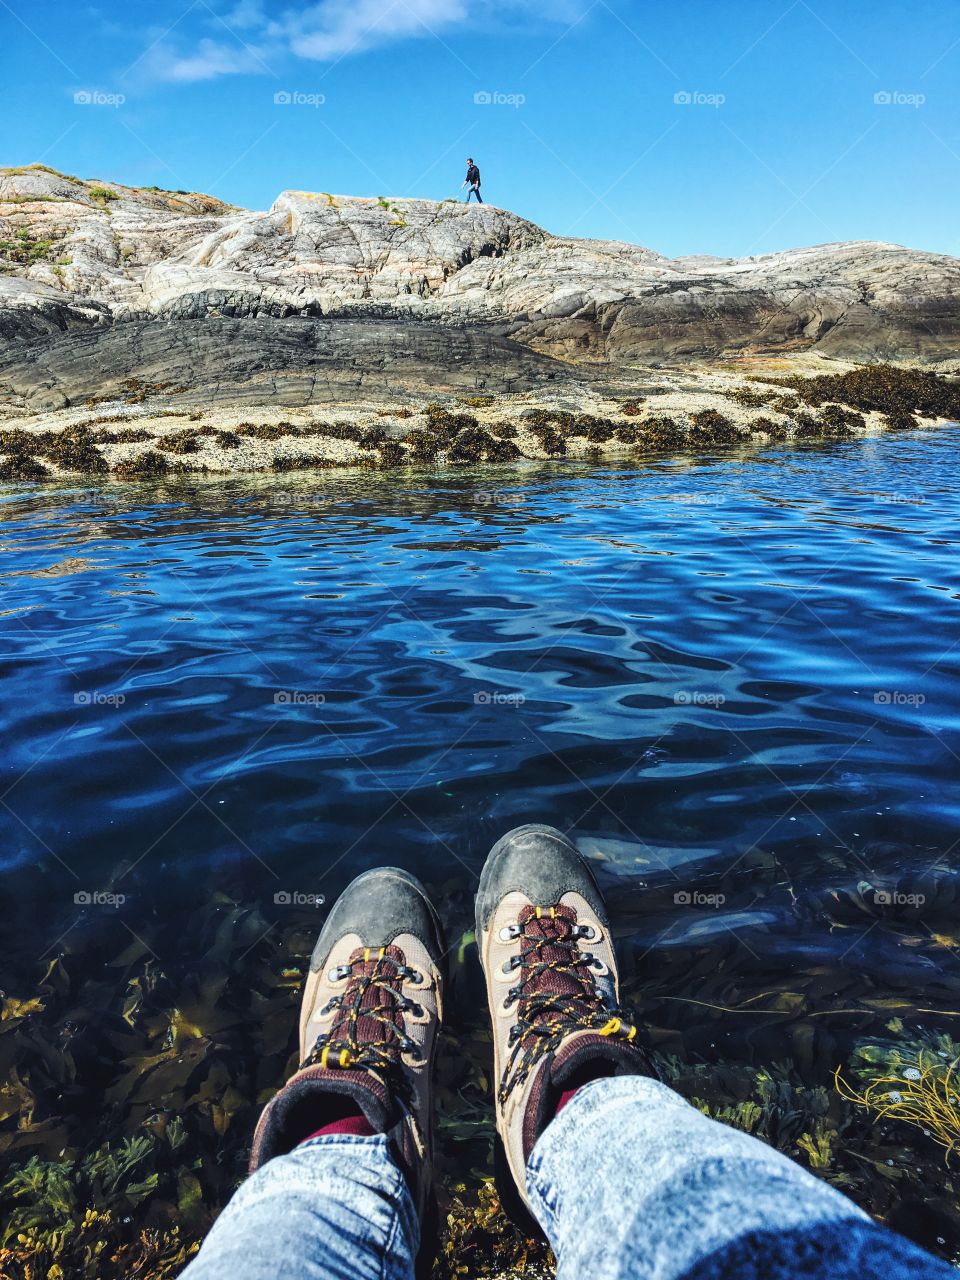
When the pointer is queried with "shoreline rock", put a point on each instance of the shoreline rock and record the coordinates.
(153, 430)
(78, 255)
(162, 309)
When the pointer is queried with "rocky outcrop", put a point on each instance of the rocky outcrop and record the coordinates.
(324, 295)
(222, 359)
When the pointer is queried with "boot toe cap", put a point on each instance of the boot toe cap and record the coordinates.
(379, 906)
(541, 863)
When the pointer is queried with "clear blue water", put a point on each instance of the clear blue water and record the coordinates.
(679, 662)
(736, 679)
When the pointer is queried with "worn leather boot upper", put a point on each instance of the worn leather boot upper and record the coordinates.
(552, 984)
(371, 1010)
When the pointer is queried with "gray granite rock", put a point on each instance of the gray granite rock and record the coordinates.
(321, 294)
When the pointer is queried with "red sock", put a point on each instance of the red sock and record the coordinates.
(357, 1125)
(564, 1099)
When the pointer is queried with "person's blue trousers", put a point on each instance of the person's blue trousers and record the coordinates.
(627, 1181)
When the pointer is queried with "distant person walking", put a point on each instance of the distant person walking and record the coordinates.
(472, 180)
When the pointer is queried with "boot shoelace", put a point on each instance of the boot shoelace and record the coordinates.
(368, 1031)
(555, 994)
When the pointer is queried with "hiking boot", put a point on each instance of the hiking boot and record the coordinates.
(552, 985)
(372, 1005)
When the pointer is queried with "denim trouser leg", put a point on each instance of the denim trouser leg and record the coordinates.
(335, 1208)
(629, 1180)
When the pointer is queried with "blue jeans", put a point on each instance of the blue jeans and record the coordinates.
(474, 191)
(627, 1181)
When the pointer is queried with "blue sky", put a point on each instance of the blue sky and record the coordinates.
(689, 126)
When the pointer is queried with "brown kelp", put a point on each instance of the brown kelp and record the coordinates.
(22, 466)
(126, 435)
(142, 467)
(423, 445)
(661, 432)
(179, 442)
(265, 430)
(881, 388)
(298, 462)
(709, 426)
(74, 449)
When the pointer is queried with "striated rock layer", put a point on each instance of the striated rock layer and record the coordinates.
(327, 297)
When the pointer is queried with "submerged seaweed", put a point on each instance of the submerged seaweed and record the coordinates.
(131, 1089)
(908, 1083)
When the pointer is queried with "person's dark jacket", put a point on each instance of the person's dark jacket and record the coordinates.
(473, 175)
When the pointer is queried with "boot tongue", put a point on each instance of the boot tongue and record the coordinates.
(370, 1012)
(555, 925)
(555, 980)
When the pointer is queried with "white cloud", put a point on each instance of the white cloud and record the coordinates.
(248, 38)
(245, 15)
(210, 59)
(337, 27)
